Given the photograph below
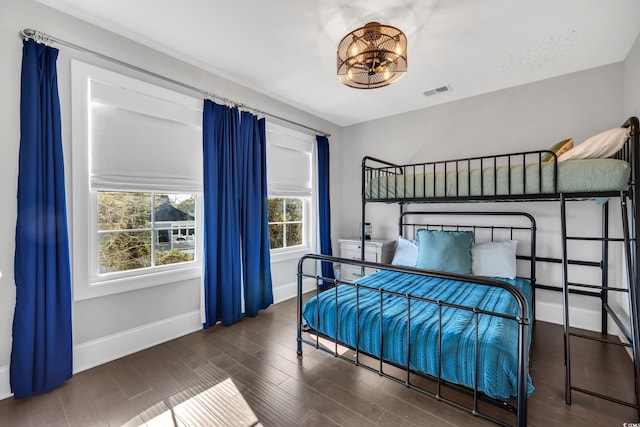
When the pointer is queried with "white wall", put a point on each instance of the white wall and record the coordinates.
(632, 81)
(528, 117)
(631, 104)
(108, 327)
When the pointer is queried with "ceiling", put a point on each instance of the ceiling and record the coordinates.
(286, 49)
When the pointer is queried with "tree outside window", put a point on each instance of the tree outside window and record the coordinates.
(286, 224)
(144, 230)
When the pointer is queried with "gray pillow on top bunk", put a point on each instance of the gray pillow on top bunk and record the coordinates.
(448, 251)
(600, 146)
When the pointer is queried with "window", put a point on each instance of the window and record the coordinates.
(286, 224)
(291, 190)
(136, 205)
(144, 230)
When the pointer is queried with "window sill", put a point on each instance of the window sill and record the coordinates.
(99, 287)
(289, 254)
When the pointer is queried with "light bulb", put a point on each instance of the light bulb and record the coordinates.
(353, 49)
(350, 74)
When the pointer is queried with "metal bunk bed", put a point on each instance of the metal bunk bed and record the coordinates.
(491, 179)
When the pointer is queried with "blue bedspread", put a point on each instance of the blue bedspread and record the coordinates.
(498, 337)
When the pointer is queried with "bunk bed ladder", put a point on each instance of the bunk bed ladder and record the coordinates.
(565, 301)
(631, 252)
(630, 333)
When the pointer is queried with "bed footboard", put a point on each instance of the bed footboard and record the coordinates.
(403, 368)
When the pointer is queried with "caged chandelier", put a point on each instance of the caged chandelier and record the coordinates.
(372, 56)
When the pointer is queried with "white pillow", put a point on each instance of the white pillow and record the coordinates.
(599, 146)
(494, 259)
(406, 253)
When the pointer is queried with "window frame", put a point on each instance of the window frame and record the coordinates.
(295, 252)
(304, 222)
(87, 283)
(153, 229)
(309, 201)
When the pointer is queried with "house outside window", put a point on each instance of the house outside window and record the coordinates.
(136, 205)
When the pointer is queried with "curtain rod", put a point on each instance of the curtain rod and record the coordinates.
(47, 39)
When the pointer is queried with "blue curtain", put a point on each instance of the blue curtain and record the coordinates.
(236, 240)
(256, 262)
(324, 207)
(222, 266)
(41, 354)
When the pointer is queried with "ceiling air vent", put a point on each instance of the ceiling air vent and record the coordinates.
(437, 90)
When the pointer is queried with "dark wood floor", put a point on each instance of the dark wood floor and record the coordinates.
(249, 375)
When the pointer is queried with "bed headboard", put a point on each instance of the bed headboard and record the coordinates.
(486, 226)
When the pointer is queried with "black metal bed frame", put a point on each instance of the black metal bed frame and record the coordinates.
(630, 218)
(523, 318)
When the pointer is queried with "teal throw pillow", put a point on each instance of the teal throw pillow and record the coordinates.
(448, 251)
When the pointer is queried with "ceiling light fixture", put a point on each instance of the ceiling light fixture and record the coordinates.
(372, 56)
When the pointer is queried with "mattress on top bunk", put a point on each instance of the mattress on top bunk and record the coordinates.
(498, 337)
(574, 176)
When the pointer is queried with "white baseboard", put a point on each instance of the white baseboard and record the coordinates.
(5, 385)
(96, 352)
(578, 317)
(102, 350)
(290, 290)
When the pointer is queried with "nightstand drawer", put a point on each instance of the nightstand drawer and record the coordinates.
(356, 253)
(354, 245)
(375, 250)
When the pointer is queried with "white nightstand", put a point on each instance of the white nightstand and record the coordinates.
(375, 250)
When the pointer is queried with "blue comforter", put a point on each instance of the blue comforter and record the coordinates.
(498, 337)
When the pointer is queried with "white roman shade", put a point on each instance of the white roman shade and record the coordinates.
(288, 162)
(148, 139)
